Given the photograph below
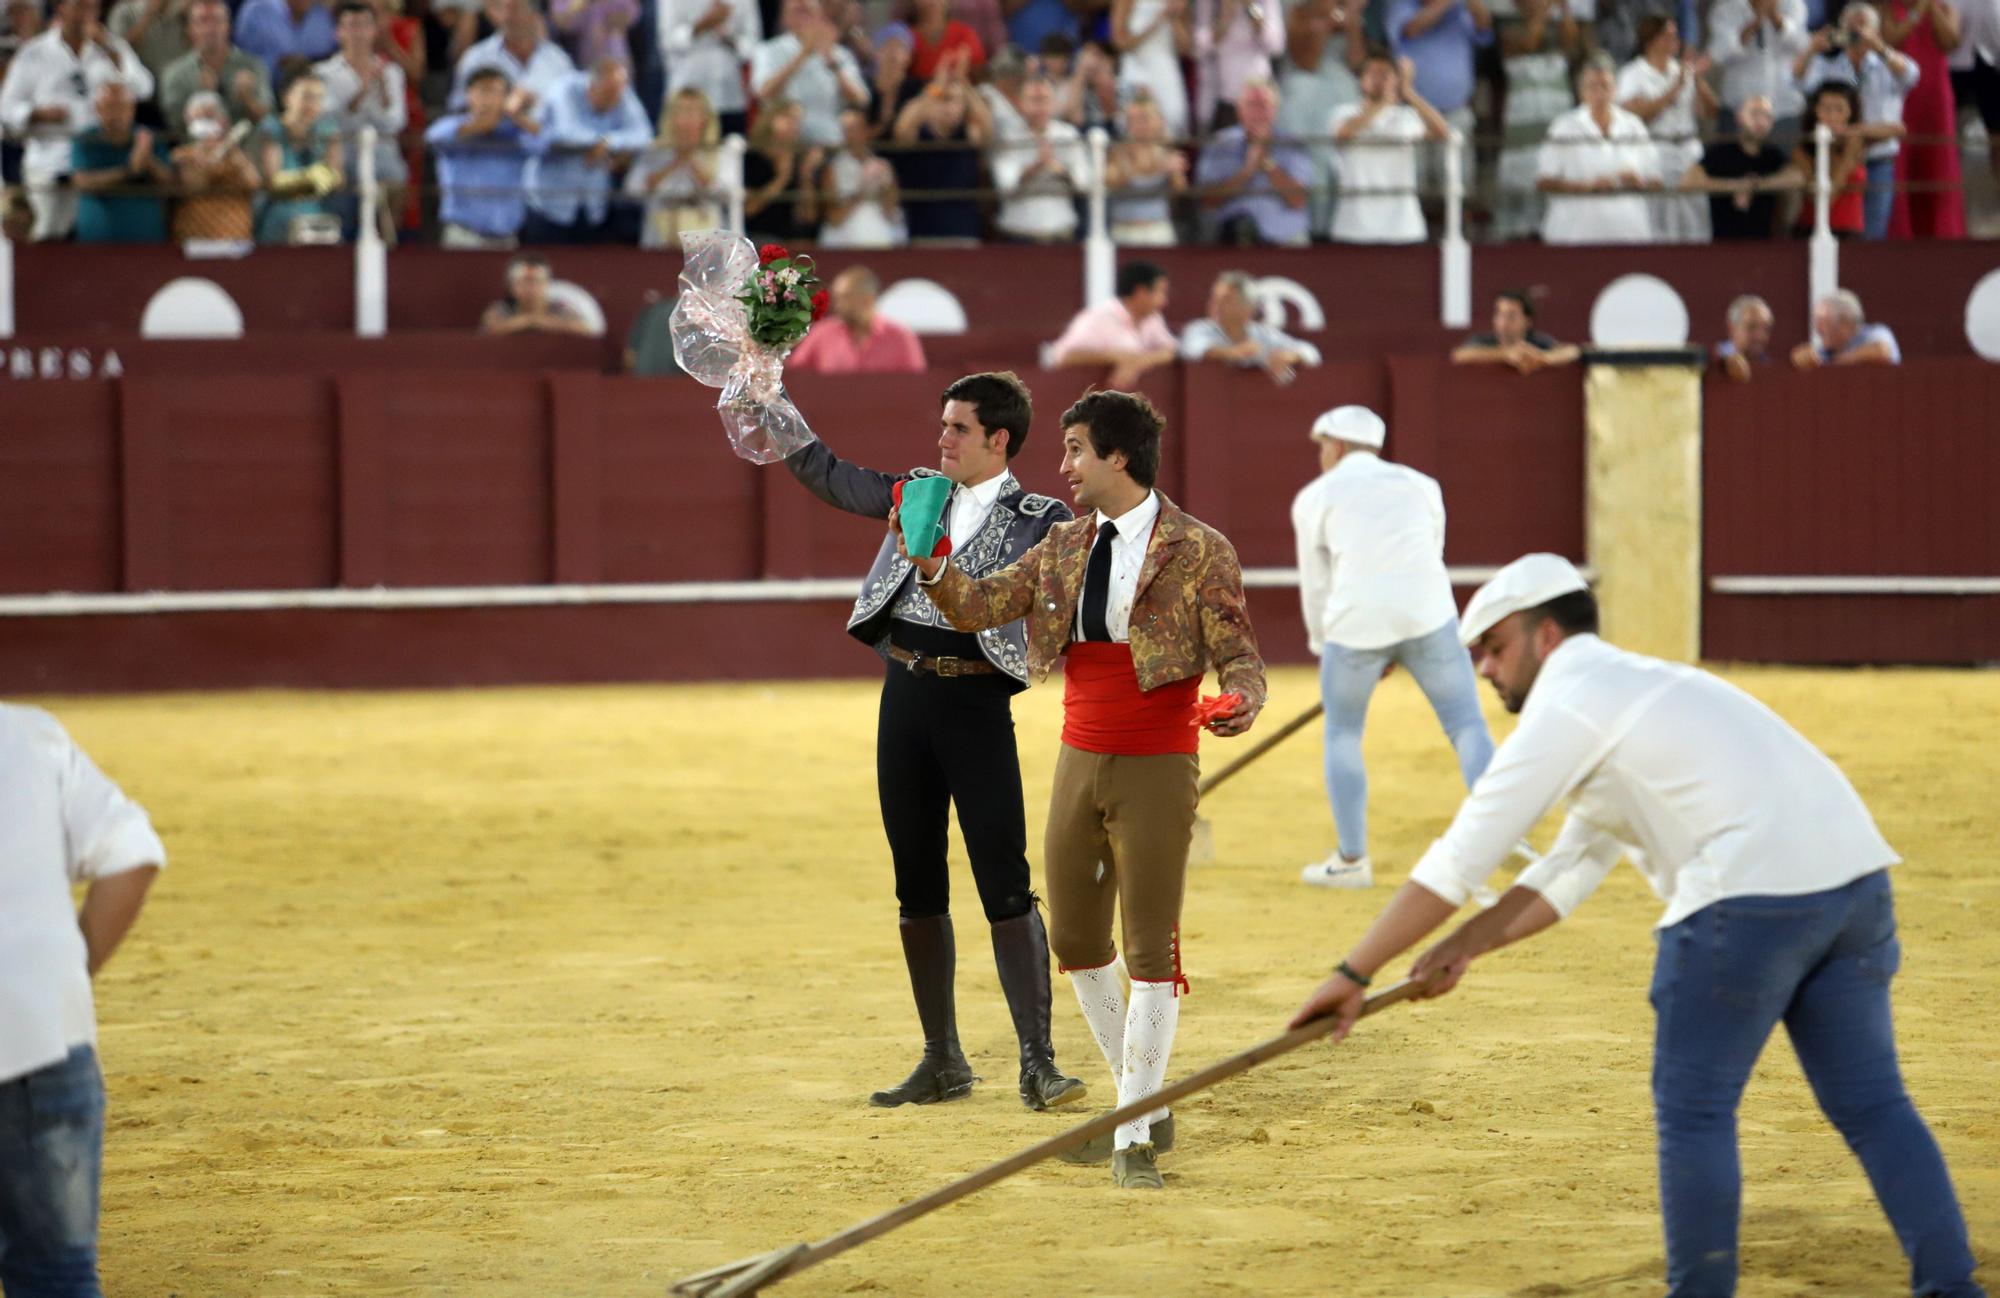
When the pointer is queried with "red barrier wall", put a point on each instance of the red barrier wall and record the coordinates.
(1375, 300)
(1859, 472)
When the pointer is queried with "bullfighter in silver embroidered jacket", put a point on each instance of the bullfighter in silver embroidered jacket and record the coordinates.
(945, 733)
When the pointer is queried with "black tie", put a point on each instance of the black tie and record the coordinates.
(1097, 586)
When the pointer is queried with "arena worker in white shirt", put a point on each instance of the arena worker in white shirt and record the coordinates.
(1595, 165)
(61, 823)
(1776, 887)
(1373, 587)
(1375, 145)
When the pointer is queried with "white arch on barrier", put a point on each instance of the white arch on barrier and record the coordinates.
(191, 307)
(923, 306)
(580, 300)
(1982, 316)
(1275, 293)
(1639, 311)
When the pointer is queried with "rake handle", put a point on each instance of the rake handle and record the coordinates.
(1265, 745)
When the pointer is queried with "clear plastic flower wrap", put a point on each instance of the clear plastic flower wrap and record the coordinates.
(712, 342)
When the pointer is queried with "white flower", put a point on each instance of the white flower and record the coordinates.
(789, 275)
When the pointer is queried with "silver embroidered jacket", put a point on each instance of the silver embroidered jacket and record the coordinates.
(1018, 520)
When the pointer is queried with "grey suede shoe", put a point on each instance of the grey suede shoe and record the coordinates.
(1135, 1168)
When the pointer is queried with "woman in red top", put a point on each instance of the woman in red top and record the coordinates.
(1927, 31)
(939, 34)
(1836, 105)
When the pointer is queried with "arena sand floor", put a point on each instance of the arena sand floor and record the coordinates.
(575, 991)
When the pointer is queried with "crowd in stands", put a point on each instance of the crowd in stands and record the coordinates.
(873, 123)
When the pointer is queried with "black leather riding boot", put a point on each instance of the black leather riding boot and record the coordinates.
(1021, 953)
(942, 1074)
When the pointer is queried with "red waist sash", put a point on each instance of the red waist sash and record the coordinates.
(1105, 711)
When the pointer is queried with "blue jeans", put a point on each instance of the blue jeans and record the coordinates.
(51, 1156)
(1820, 963)
(1880, 199)
(1347, 679)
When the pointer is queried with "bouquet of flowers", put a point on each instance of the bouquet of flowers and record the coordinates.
(740, 313)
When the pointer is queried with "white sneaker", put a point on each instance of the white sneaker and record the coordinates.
(1334, 872)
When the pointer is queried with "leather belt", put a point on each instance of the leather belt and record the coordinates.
(918, 664)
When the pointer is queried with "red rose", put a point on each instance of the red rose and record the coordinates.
(819, 304)
(771, 252)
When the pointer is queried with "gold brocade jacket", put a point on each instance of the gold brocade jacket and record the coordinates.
(1188, 615)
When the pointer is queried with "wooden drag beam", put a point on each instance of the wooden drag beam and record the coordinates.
(1201, 848)
(752, 1274)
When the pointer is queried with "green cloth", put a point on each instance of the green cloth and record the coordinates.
(182, 81)
(650, 343)
(922, 513)
(105, 218)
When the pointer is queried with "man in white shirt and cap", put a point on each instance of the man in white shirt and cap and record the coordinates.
(1373, 587)
(1777, 896)
(61, 823)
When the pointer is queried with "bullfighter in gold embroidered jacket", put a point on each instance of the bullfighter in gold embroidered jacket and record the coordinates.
(1140, 599)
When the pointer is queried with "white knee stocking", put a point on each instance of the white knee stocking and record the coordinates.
(1149, 1043)
(1101, 993)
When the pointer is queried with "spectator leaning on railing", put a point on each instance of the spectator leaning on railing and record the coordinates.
(1143, 176)
(482, 158)
(1845, 337)
(1514, 340)
(1855, 54)
(1667, 92)
(1129, 334)
(527, 308)
(1254, 183)
(1743, 176)
(1596, 167)
(120, 174)
(591, 126)
(215, 66)
(676, 182)
(856, 338)
(46, 100)
(858, 195)
(365, 89)
(1749, 342)
(706, 45)
(1231, 334)
(536, 66)
(1040, 175)
(304, 166)
(1377, 143)
(1836, 106)
(298, 33)
(217, 179)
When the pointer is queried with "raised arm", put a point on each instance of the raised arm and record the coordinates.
(970, 605)
(851, 487)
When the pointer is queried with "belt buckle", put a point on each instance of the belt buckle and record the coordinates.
(915, 664)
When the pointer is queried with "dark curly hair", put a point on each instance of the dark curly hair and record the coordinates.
(1121, 421)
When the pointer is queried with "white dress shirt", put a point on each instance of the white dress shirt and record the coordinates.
(1709, 792)
(1576, 150)
(1371, 554)
(1042, 206)
(547, 70)
(1761, 65)
(61, 823)
(711, 61)
(386, 107)
(970, 506)
(1380, 157)
(47, 73)
(1128, 559)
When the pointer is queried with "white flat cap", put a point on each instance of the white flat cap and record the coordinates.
(1531, 580)
(1357, 424)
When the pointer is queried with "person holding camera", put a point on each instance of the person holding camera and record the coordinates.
(1854, 53)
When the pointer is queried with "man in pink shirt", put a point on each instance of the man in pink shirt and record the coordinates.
(1129, 335)
(854, 339)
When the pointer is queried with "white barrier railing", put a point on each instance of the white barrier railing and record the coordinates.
(732, 179)
(1454, 252)
(6, 286)
(1100, 255)
(371, 254)
(1823, 255)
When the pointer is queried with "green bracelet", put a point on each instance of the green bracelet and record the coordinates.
(1346, 970)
